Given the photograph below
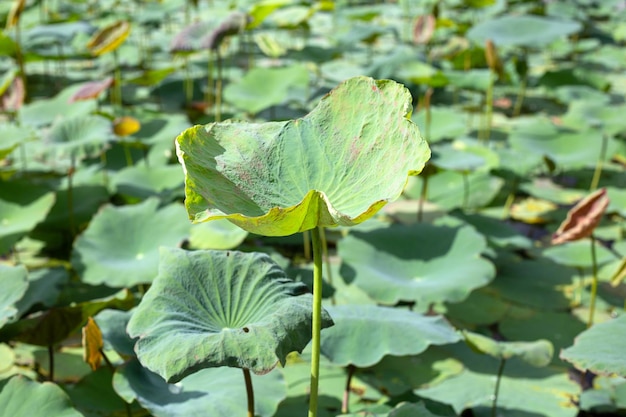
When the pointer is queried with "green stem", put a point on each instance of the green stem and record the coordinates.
(188, 83)
(466, 190)
(51, 363)
(329, 273)
(117, 85)
(306, 242)
(489, 107)
(317, 319)
(70, 197)
(249, 391)
(598, 171)
(509, 200)
(519, 100)
(218, 88)
(209, 93)
(496, 391)
(594, 282)
(423, 196)
(346, 393)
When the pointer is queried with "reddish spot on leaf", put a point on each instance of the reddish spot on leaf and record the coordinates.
(583, 218)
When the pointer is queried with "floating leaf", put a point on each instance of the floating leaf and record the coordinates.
(538, 353)
(215, 392)
(77, 137)
(125, 126)
(218, 234)
(120, 247)
(109, 38)
(601, 348)
(279, 178)
(17, 220)
(92, 344)
(14, 282)
(419, 263)
(261, 88)
(583, 218)
(234, 309)
(363, 334)
(21, 397)
(528, 31)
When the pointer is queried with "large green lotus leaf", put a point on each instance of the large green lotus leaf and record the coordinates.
(546, 189)
(14, 283)
(234, 309)
(498, 232)
(363, 334)
(402, 410)
(77, 137)
(600, 348)
(578, 254)
(261, 88)
(215, 392)
(21, 397)
(43, 112)
(17, 220)
(143, 181)
(524, 390)
(11, 136)
(218, 234)
(536, 353)
(526, 31)
(445, 123)
(537, 283)
(597, 117)
(279, 178)
(448, 189)
(420, 263)
(480, 308)
(44, 288)
(112, 324)
(120, 247)
(450, 157)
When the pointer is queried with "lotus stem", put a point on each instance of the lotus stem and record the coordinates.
(218, 88)
(117, 84)
(346, 393)
(489, 108)
(209, 93)
(249, 391)
(510, 199)
(329, 273)
(51, 362)
(423, 196)
(599, 165)
(519, 100)
(317, 319)
(496, 390)
(129, 412)
(188, 83)
(70, 197)
(594, 282)
(466, 190)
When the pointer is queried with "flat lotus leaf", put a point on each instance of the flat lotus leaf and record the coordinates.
(120, 247)
(600, 348)
(578, 254)
(112, 324)
(218, 234)
(21, 397)
(261, 88)
(78, 137)
(234, 309)
(279, 178)
(526, 31)
(11, 135)
(215, 392)
(537, 353)
(14, 282)
(17, 220)
(363, 334)
(445, 123)
(420, 263)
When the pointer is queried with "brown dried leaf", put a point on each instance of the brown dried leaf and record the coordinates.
(92, 344)
(13, 18)
(109, 38)
(91, 90)
(424, 29)
(583, 218)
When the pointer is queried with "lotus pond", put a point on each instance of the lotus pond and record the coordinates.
(340, 208)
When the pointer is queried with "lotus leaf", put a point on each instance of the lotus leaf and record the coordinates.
(600, 348)
(538, 353)
(525, 31)
(78, 137)
(14, 282)
(120, 247)
(363, 334)
(17, 220)
(279, 178)
(218, 234)
(235, 309)
(21, 397)
(113, 324)
(261, 88)
(419, 263)
(216, 392)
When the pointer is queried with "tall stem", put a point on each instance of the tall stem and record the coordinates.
(519, 100)
(594, 283)
(496, 391)
(70, 197)
(598, 171)
(317, 319)
(51, 363)
(346, 393)
(329, 273)
(306, 242)
(466, 190)
(249, 391)
(117, 84)
(218, 88)
(423, 196)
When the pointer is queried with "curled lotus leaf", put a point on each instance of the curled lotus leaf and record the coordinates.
(220, 308)
(336, 166)
(109, 38)
(583, 218)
